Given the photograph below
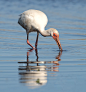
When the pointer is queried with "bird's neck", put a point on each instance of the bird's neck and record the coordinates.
(45, 32)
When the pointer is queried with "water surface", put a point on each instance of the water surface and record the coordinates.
(47, 68)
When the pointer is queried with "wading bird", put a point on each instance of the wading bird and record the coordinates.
(35, 21)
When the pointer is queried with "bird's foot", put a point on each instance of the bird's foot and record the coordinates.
(30, 44)
(33, 48)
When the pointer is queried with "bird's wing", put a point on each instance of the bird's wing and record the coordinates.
(30, 17)
(26, 20)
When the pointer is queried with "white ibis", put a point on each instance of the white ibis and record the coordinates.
(35, 21)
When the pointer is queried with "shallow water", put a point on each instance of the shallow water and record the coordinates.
(44, 69)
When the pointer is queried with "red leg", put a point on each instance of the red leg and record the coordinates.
(29, 42)
(37, 40)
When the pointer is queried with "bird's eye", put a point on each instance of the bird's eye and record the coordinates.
(54, 35)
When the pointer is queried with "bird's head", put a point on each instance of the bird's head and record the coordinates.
(55, 35)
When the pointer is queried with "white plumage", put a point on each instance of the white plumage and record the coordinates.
(35, 21)
(33, 18)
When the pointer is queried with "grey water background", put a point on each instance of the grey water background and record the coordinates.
(45, 69)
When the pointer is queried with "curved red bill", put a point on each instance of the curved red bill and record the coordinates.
(58, 42)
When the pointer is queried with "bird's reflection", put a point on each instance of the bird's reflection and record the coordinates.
(34, 73)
